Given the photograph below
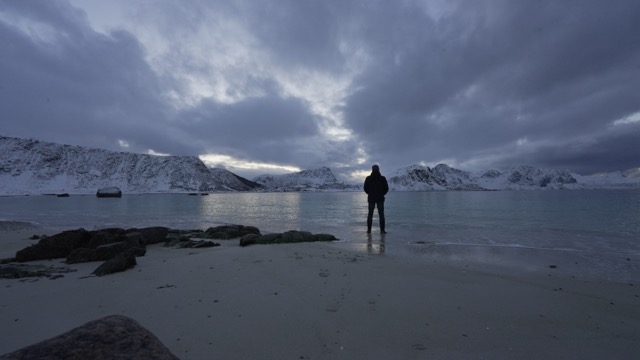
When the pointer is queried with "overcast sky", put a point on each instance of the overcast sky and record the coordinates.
(283, 85)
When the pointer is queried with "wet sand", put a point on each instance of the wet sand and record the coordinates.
(327, 301)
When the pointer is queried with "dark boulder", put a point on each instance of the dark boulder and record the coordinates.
(109, 250)
(105, 236)
(105, 252)
(55, 246)
(229, 231)
(292, 236)
(152, 235)
(112, 337)
(121, 262)
(186, 242)
(251, 239)
(21, 271)
(196, 244)
(109, 192)
(18, 271)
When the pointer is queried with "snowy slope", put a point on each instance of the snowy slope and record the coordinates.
(305, 180)
(232, 182)
(29, 166)
(526, 178)
(443, 177)
(609, 180)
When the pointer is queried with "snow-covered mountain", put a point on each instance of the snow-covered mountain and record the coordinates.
(609, 180)
(321, 179)
(233, 182)
(423, 178)
(443, 177)
(29, 166)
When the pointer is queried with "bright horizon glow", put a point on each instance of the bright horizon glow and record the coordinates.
(358, 175)
(212, 160)
(155, 153)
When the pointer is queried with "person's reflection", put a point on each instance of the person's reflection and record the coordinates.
(372, 249)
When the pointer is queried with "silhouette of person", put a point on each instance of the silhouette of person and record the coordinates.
(376, 187)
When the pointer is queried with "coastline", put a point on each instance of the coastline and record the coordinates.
(326, 301)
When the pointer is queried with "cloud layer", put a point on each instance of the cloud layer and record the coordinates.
(343, 84)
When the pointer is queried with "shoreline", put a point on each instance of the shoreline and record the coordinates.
(326, 301)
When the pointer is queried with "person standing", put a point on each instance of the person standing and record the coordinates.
(376, 187)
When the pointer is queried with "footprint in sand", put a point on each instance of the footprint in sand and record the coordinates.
(333, 308)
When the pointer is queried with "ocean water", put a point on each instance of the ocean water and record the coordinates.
(597, 231)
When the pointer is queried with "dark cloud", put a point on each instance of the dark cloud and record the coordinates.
(268, 129)
(491, 83)
(81, 87)
(64, 82)
(612, 151)
(495, 72)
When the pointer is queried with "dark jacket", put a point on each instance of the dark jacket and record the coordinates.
(376, 186)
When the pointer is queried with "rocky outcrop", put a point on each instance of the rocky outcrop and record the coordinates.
(224, 232)
(152, 234)
(321, 179)
(30, 166)
(121, 262)
(291, 236)
(111, 337)
(19, 271)
(117, 247)
(81, 245)
(443, 178)
(183, 242)
(109, 192)
(56, 246)
(108, 251)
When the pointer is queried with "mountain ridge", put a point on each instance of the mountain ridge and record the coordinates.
(31, 166)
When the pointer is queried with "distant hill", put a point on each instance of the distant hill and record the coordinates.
(321, 179)
(442, 177)
(29, 166)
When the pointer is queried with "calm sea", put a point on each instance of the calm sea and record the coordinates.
(598, 229)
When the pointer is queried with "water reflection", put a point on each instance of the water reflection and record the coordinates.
(376, 247)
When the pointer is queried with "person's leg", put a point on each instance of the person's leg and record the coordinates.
(381, 214)
(372, 206)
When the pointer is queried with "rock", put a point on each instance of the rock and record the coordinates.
(109, 192)
(197, 244)
(249, 239)
(18, 271)
(294, 236)
(121, 262)
(291, 236)
(55, 246)
(230, 231)
(111, 337)
(325, 237)
(104, 252)
(82, 246)
(175, 241)
(186, 242)
(105, 236)
(108, 251)
(152, 235)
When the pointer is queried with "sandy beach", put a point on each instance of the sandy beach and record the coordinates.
(326, 301)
